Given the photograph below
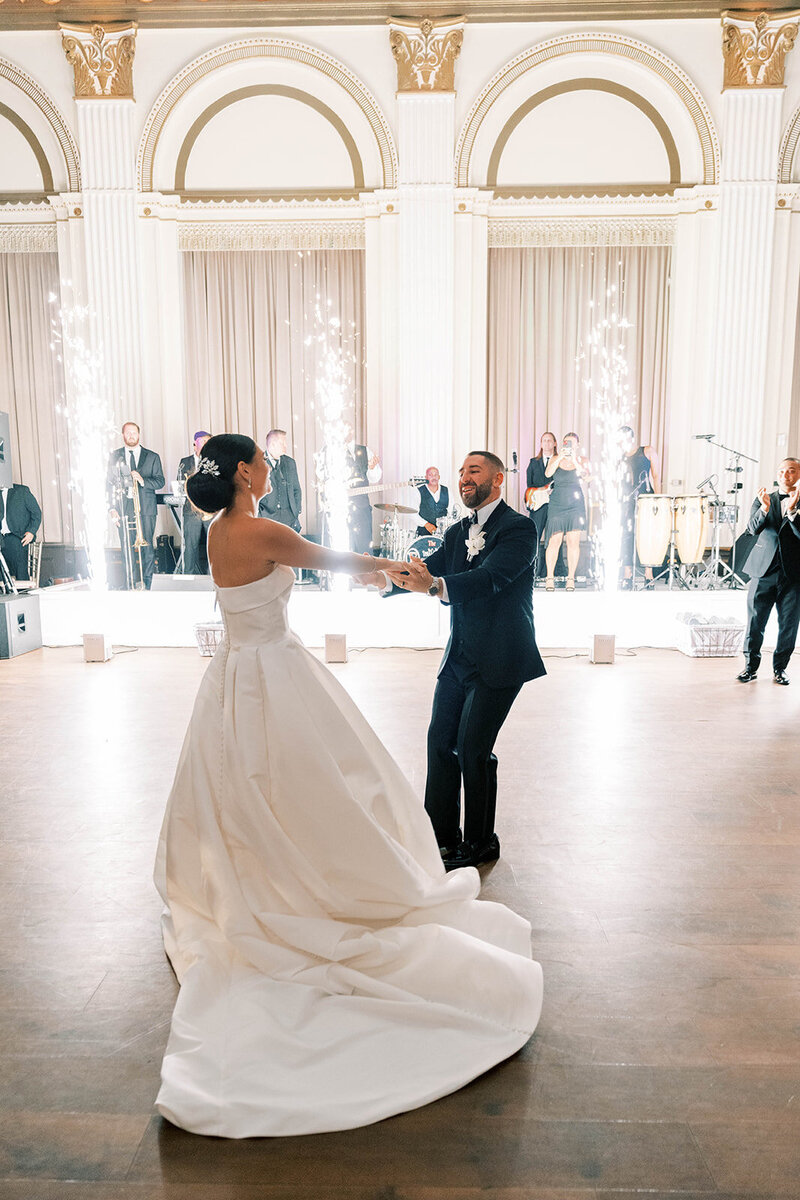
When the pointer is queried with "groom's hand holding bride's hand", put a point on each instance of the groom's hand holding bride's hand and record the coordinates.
(378, 577)
(412, 576)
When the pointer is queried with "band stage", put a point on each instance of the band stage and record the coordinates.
(567, 621)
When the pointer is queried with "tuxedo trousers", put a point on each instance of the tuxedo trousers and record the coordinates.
(466, 719)
(195, 561)
(15, 554)
(778, 591)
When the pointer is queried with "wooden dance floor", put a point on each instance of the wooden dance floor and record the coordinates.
(650, 824)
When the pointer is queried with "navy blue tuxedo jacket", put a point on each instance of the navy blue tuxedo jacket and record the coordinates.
(491, 598)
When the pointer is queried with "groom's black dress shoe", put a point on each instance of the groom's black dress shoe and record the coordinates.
(782, 678)
(748, 675)
(472, 854)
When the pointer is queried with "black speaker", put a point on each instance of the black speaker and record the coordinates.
(60, 560)
(115, 569)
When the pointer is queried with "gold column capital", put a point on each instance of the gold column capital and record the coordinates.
(102, 58)
(425, 52)
(754, 49)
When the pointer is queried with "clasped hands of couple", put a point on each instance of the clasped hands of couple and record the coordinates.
(411, 576)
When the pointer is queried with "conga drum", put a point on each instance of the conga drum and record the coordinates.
(653, 528)
(691, 527)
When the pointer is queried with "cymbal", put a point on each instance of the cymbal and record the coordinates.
(395, 508)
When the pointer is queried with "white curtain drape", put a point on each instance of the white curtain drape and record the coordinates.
(32, 386)
(544, 303)
(258, 324)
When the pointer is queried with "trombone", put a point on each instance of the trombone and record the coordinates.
(140, 541)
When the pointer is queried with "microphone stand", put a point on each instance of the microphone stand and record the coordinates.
(730, 577)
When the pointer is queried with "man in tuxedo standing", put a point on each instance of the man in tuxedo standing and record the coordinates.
(484, 571)
(434, 500)
(195, 526)
(773, 565)
(284, 502)
(20, 518)
(129, 466)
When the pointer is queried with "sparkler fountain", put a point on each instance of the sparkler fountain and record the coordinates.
(605, 365)
(90, 428)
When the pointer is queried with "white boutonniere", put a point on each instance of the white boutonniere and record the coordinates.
(475, 542)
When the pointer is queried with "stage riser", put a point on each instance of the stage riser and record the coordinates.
(562, 620)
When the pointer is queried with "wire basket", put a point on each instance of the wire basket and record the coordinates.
(209, 635)
(704, 637)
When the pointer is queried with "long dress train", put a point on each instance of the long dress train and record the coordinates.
(331, 974)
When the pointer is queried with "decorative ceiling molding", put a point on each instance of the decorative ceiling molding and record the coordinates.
(67, 143)
(593, 43)
(171, 14)
(510, 233)
(266, 48)
(425, 52)
(754, 49)
(271, 235)
(28, 237)
(36, 146)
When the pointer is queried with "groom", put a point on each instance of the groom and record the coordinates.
(484, 571)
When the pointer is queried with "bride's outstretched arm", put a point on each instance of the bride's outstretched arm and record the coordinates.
(283, 545)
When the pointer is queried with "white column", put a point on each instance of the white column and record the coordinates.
(754, 51)
(470, 328)
(108, 156)
(426, 128)
(102, 61)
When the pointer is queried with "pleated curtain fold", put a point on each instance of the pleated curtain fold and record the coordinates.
(258, 325)
(544, 304)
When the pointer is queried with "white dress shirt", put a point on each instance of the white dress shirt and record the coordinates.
(4, 526)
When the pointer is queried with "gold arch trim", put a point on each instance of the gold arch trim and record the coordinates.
(267, 48)
(47, 108)
(593, 43)
(587, 85)
(268, 89)
(789, 148)
(35, 145)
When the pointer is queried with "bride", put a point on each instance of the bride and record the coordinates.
(331, 974)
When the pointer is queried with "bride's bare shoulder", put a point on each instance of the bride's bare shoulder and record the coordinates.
(238, 551)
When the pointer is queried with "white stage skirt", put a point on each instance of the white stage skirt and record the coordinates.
(565, 621)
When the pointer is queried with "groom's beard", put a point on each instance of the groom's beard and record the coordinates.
(474, 498)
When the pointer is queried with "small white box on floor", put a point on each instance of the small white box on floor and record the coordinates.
(602, 648)
(96, 647)
(335, 647)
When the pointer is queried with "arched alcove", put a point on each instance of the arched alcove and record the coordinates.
(331, 105)
(38, 150)
(592, 87)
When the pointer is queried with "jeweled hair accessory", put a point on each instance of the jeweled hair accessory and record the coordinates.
(207, 466)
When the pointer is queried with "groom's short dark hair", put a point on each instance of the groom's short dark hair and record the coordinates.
(496, 462)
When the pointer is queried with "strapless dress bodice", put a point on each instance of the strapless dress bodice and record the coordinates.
(256, 613)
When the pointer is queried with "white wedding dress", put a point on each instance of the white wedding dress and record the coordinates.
(331, 973)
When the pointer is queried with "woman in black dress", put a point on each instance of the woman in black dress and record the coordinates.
(566, 511)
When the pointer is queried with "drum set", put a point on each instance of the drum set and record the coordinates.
(403, 543)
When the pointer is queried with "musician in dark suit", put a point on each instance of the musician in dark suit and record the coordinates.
(484, 571)
(284, 502)
(195, 528)
(434, 500)
(773, 565)
(20, 518)
(538, 486)
(132, 465)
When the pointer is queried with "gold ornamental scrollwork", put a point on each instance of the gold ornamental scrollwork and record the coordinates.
(754, 49)
(425, 52)
(102, 59)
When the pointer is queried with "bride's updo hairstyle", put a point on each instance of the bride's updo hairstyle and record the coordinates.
(212, 487)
